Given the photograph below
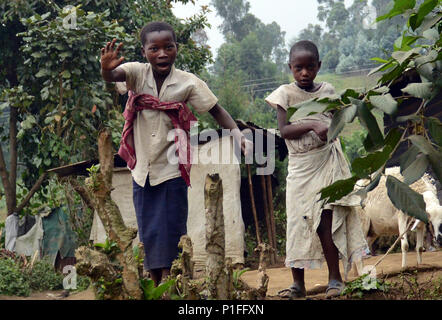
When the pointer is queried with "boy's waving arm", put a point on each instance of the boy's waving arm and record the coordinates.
(226, 121)
(110, 61)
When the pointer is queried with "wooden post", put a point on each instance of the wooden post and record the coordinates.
(252, 200)
(266, 212)
(218, 285)
(271, 212)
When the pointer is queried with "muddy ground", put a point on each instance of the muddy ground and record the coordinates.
(428, 275)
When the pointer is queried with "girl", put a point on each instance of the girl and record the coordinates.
(314, 233)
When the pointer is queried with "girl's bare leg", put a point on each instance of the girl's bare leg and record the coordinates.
(298, 277)
(331, 253)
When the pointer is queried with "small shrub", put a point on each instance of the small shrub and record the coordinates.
(156, 293)
(12, 280)
(83, 283)
(364, 284)
(43, 277)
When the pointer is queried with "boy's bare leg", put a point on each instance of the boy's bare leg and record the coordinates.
(155, 274)
(165, 273)
(159, 274)
(331, 253)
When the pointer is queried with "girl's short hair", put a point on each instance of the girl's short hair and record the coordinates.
(156, 26)
(305, 45)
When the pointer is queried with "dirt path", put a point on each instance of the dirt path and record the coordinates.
(280, 278)
(316, 280)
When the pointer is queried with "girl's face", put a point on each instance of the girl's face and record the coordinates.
(160, 50)
(304, 66)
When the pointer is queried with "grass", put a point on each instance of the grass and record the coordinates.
(342, 82)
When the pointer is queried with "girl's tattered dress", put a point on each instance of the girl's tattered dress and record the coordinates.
(313, 165)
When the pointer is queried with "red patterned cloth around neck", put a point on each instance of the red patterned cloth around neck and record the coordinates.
(181, 117)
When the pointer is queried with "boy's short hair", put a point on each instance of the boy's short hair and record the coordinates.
(156, 26)
(305, 45)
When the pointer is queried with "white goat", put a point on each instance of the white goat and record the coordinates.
(380, 217)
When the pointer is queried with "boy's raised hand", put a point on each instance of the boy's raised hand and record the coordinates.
(109, 56)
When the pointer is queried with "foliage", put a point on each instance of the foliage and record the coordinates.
(425, 148)
(50, 74)
(138, 255)
(413, 289)
(104, 289)
(363, 285)
(155, 293)
(358, 38)
(109, 247)
(236, 275)
(12, 280)
(83, 283)
(43, 277)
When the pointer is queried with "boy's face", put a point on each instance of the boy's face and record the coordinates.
(160, 50)
(304, 66)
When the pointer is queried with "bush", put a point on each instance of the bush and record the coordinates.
(12, 280)
(44, 277)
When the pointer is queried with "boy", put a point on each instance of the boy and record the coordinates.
(314, 234)
(159, 186)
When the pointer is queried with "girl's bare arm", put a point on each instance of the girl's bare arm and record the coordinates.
(291, 131)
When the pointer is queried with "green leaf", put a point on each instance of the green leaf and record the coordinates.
(393, 138)
(42, 73)
(339, 120)
(306, 108)
(385, 102)
(416, 169)
(429, 22)
(379, 60)
(369, 122)
(381, 90)
(4, 105)
(402, 56)
(411, 117)
(66, 74)
(431, 34)
(406, 199)
(419, 90)
(382, 67)
(408, 157)
(365, 166)
(435, 129)
(400, 6)
(423, 11)
(422, 143)
(338, 189)
(348, 94)
(434, 155)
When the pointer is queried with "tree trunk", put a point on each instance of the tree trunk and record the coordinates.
(99, 188)
(215, 239)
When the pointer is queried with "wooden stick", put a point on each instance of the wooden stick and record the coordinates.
(266, 212)
(252, 199)
(271, 212)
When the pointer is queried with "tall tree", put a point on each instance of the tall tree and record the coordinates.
(50, 78)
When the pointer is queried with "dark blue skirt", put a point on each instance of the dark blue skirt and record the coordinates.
(161, 216)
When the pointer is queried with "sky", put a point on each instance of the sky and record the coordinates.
(291, 15)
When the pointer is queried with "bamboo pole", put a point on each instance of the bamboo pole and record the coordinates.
(266, 213)
(252, 200)
(271, 212)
